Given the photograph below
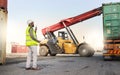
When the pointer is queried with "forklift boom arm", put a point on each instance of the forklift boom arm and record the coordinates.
(72, 20)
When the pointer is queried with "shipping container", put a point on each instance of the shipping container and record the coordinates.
(3, 27)
(3, 4)
(111, 20)
(19, 49)
(111, 30)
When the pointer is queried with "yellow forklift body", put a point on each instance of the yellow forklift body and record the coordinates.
(67, 45)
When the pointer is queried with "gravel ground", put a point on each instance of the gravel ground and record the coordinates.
(63, 65)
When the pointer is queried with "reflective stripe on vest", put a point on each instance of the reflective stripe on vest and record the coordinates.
(29, 40)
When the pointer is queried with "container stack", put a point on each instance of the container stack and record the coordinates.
(3, 27)
(111, 30)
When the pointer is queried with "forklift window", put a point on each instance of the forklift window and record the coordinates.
(63, 35)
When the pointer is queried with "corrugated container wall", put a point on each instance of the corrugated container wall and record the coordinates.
(3, 27)
(111, 21)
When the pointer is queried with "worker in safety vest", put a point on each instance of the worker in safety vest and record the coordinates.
(31, 43)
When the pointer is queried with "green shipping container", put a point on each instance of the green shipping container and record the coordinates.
(111, 21)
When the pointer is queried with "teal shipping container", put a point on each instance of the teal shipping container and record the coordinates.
(111, 21)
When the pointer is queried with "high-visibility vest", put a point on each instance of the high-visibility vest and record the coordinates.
(29, 40)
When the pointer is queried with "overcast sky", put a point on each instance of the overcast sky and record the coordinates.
(47, 12)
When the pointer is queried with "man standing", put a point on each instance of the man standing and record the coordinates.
(31, 43)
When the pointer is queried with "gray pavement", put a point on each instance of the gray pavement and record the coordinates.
(63, 65)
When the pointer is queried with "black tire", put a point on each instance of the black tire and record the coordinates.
(85, 51)
(43, 51)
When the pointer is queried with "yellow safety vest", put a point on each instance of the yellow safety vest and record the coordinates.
(29, 40)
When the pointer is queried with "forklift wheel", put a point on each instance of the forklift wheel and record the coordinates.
(43, 51)
(85, 51)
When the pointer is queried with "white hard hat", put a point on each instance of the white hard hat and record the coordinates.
(29, 21)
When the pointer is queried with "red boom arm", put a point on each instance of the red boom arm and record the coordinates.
(73, 20)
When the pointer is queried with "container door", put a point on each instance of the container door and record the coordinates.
(111, 21)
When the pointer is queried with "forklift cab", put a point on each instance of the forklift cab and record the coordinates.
(63, 35)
